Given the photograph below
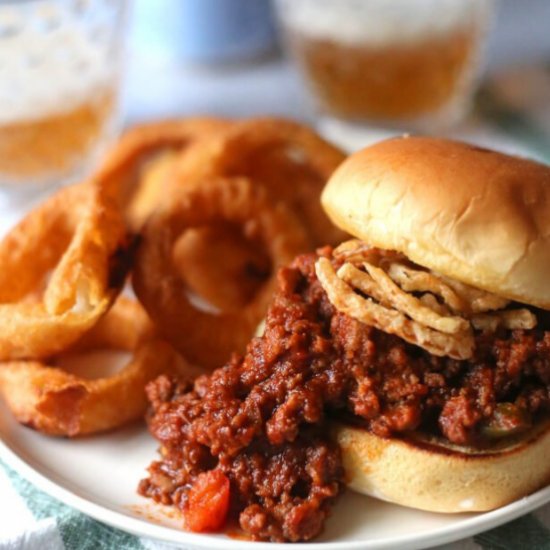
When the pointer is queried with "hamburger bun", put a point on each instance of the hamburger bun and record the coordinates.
(432, 474)
(482, 218)
(475, 215)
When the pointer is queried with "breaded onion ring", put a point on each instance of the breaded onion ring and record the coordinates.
(62, 267)
(125, 324)
(288, 158)
(156, 144)
(204, 338)
(56, 402)
(221, 266)
(150, 152)
(149, 187)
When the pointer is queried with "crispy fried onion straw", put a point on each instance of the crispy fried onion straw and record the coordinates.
(375, 287)
(345, 299)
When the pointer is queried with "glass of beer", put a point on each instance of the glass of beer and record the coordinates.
(406, 64)
(60, 63)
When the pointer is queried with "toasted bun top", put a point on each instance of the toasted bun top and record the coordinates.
(473, 214)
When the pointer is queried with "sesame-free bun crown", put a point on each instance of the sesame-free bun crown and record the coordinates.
(473, 214)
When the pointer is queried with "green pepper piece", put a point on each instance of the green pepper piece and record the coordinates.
(508, 419)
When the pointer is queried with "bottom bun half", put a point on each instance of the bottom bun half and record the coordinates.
(429, 474)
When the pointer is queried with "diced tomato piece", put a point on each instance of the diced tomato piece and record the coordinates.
(207, 502)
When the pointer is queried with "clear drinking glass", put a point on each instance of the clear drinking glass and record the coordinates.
(60, 64)
(407, 64)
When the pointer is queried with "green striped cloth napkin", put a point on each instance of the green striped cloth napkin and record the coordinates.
(513, 112)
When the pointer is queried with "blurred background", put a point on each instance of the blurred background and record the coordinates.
(73, 73)
(183, 59)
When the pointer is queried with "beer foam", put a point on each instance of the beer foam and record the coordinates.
(379, 22)
(51, 61)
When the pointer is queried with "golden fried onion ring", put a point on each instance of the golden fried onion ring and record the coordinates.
(62, 267)
(226, 285)
(221, 266)
(140, 169)
(288, 158)
(56, 402)
(150, 145)
(204, 338)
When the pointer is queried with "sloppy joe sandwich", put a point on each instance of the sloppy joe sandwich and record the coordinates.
(451, 256)
(411, 362)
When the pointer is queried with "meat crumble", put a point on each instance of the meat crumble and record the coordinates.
(262, 420)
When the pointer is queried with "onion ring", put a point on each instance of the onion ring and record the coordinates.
(226, 286)
(125, 169)
(141, 165)
(56, 402)
(207, 339)
(221, 266)
(149, 185)
(289, 159)
(124, 325)
(62, 267)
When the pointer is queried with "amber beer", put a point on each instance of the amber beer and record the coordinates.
(398, 62)
(395, 81)
(54, 142)
(60, 69)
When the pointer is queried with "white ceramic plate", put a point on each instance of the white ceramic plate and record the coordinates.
(98, 476)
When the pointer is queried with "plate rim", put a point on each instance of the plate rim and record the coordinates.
(143, 528)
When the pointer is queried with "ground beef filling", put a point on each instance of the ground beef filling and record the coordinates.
(262, 419)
